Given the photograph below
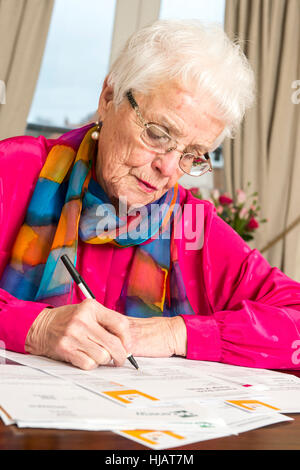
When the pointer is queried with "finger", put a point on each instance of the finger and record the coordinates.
(114, 322)
(99, 354)
(82, 360)
(108, 341)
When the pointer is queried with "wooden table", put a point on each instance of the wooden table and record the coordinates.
(281, 436)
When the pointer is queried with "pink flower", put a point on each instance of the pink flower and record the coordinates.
(241, 196)
(244, 213)
(252, 224)
(225, 200)
(219, 209)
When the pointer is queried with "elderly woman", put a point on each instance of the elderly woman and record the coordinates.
(169, 276)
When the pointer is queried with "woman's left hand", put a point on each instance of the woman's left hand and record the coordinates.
(158, 336)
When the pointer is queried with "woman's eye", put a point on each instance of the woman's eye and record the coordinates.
(190, 157)
(155, 133)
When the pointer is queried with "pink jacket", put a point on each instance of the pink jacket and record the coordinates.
(246, 312)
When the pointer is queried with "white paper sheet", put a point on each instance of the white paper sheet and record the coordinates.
(167, 403)
(147, 386)
(35, 399)
(161, 439)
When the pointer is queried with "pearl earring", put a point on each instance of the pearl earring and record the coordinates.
(96, 133)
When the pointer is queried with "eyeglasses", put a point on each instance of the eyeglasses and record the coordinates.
(157, 139)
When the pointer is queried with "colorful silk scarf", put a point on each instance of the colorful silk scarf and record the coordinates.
(68, 203)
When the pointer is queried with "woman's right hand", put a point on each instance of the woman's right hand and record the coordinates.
(86, 334)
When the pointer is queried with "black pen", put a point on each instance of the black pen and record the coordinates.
(86, 292)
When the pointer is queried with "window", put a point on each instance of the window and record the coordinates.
(212, 11)
(75, 63)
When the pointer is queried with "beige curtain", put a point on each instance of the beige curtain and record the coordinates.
(23, 31)
(266, 150)
(130, 16)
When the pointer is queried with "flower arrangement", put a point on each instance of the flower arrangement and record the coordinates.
(239, 212)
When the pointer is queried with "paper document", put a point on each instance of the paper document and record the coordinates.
(148, 385)
(166, 403)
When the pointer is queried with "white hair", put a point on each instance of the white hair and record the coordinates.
(195, 55)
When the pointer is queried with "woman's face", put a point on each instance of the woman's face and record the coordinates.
(123, 160)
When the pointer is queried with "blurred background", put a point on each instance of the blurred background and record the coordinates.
(55, 54)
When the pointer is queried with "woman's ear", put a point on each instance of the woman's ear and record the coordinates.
(105, 100)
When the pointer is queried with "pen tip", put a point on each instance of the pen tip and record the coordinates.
(133, 361)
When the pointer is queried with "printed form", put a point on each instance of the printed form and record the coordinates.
(166, 403)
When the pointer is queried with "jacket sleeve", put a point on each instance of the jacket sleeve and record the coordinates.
(21, 159)
(255, 319)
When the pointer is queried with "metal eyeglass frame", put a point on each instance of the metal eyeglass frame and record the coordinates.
(145, 125)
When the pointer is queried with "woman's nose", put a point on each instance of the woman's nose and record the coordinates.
(166, 163)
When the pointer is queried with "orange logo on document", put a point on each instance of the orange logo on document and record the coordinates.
(251, 405)
(128, 396)
(151, 436)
